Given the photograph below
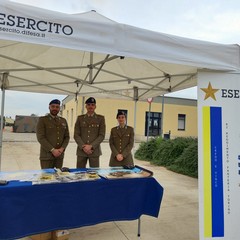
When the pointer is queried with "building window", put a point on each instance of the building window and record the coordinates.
(153, 123)
(181, 122)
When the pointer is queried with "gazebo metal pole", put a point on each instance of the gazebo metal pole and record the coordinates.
(83, 104)
(139, 228)
(135, 98)
(2, 115)
(162, 116)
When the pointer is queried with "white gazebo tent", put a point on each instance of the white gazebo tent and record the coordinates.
(88, 54)
(51, 52)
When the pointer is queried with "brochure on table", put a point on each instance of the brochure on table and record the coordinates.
(46, 176)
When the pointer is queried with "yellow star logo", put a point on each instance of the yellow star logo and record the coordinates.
(209, 92)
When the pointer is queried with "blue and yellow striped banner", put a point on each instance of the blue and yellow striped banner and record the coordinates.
(213, 172)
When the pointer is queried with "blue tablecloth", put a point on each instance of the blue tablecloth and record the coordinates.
(27, 209)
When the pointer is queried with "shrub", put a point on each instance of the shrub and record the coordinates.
(170, 150)
(145, 150)
(178, 155)
(161, 155)
(187, 163)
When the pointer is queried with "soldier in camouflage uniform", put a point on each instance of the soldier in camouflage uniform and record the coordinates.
(53, 136)
(89, 132)
(121, 142)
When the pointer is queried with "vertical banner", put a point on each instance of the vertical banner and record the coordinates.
(219, 155)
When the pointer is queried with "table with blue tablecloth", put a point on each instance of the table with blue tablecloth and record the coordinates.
(27, 209)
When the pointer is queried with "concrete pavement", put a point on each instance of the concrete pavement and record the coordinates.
(178, 217)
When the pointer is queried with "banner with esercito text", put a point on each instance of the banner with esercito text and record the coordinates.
(219, 155)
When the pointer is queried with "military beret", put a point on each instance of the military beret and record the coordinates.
(55, 101)
(90, 100)
(121, 113)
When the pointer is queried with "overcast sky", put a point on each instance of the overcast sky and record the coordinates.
(208, 20)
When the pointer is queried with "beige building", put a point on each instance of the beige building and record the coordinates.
(169, 117)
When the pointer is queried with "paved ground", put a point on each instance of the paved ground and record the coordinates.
(178, 217)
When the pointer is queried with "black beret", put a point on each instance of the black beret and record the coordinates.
(90, 100)
(121, 113)
(55, 101)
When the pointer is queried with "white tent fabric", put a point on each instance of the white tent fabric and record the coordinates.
(88, 54)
